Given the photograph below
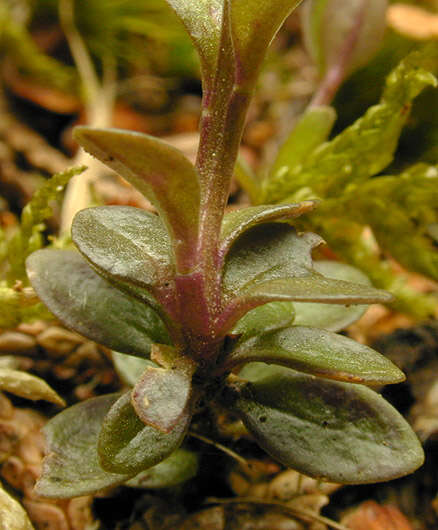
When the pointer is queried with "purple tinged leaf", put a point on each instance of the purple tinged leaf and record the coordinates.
(71, 466)
(343, 34)
(161, 397)
(128, 244)
(253, 26)
(127, 445)
(335, 431)
(317, 352)
(203, 21)
(239, 221)
(161, 172)
(89, 304)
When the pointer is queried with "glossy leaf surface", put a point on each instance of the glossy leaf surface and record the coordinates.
(161, 397)
(203, 21)
(128, 244)
(127, 445)
(253, 26)
(239, 221)
(161, 172)
(317, 352)
(267, 252)
(265, 318)
(335, 431)
(330, 316)
(272, 262)
(87, 303)
(27, 386)
(71, 467)
(179, 467)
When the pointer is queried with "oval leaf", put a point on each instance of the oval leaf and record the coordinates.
(87, 303)
(161, 397)
(203, 21)
(12, 514)
(177, 468)
(268, 317)
(317, 352)
(239, 221)
(126, 243)
(161, 172)
(130, 368)
(267, 252)
(330, 316)
(334, 431)
(28, 386)
(71, 467)
(127, 445)
(253, 26)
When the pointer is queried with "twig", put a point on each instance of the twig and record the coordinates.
(222, 448)
(294, 512)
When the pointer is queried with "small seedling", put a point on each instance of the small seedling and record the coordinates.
(208, 298)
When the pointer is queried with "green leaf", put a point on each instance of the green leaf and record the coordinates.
(161, 397)
(71, 467)
(334, 431)
(127, 445)
(253, 26)
(161, 172)
(366, 147)
(87, 303)
(125, 243)
(203, 21)
(237, 222)
(314, 288)
(180, 466)
(130, 368)
(330, 316)
(37, 210)
(27, 386)
(317, 352)
(272, 262)
(12, 514)
(312, 129)
(268, 252)
(268, 317)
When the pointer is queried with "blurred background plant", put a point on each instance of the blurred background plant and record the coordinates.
(129, 63)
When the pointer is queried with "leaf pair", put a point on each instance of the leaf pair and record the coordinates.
(269, 262)
(85, 456)
(326, 429)
(252, 25)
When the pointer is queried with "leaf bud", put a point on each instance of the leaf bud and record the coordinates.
(343, 34)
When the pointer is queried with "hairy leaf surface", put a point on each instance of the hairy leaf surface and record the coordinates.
(203, 21)
(71, 467)
(253, 26)
(335, 431)
(161, 397)
(126, 243)
(317, 352)
(136, 446)
(239, 221)
(87, 303)
(161, 172)
(268, 317)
